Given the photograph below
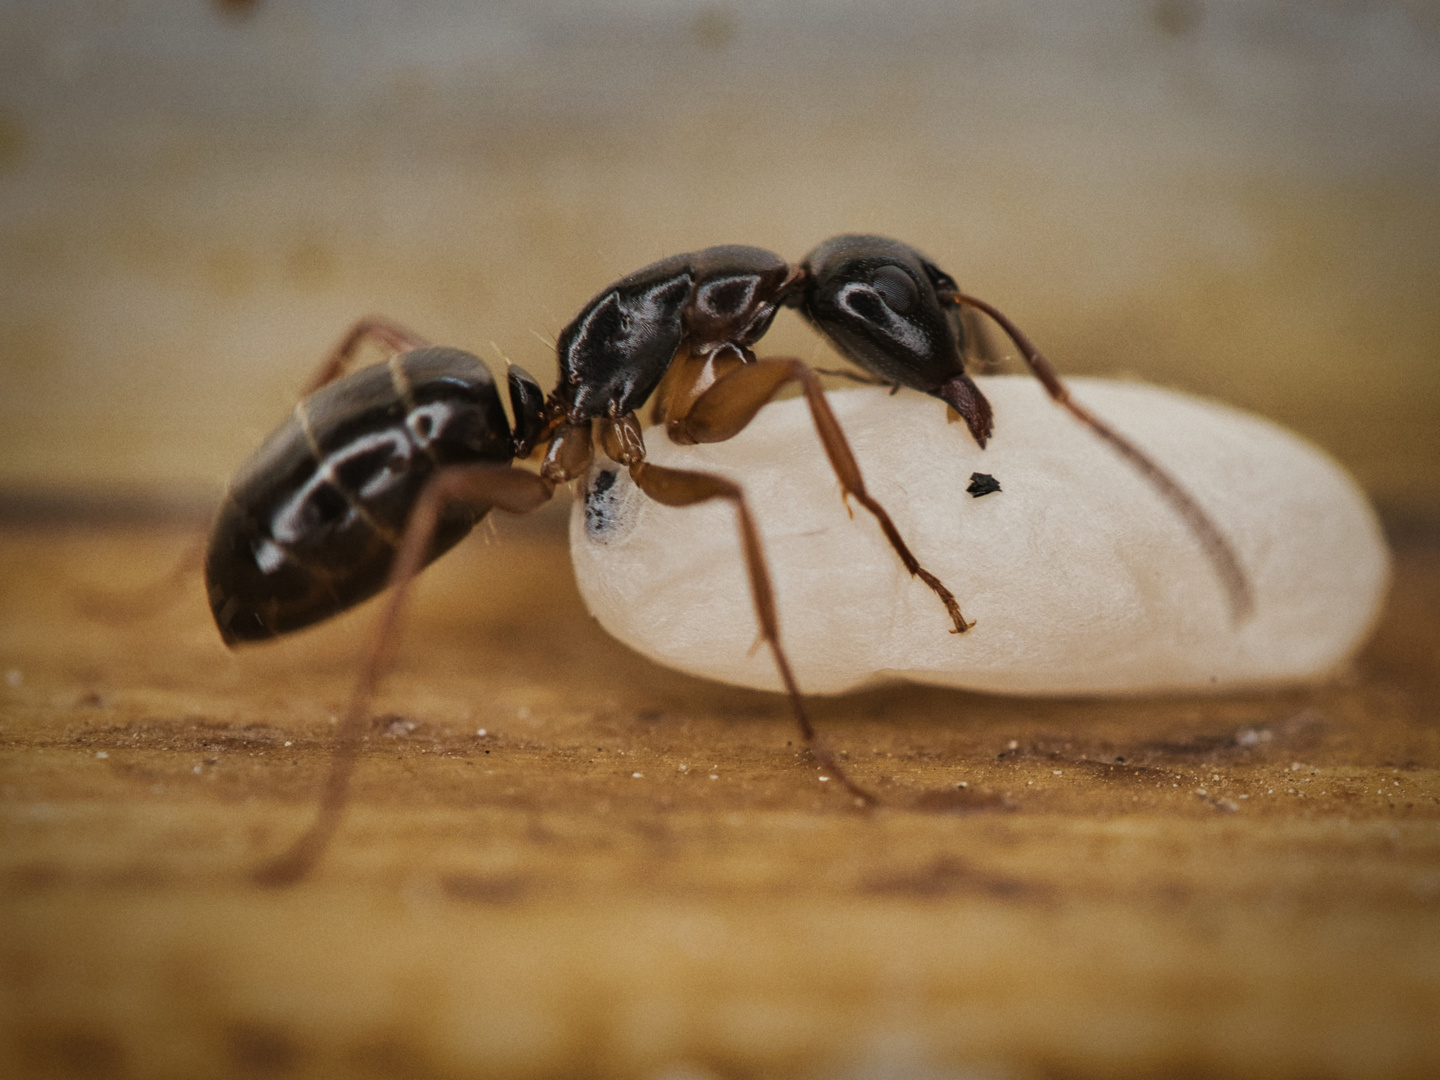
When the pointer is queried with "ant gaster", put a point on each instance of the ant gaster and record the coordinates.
(380, 472)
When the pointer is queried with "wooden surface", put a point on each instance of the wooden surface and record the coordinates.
(632, 874)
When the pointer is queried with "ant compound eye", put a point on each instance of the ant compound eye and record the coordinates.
(896, 288)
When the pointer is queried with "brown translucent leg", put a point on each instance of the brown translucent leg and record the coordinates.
(569, 454)
(150, 600)
(1217, 548)
(681, 487)
(160, 595)
(501, 487)
(724, 410)
(146, 601)
(374, 328)
(679, 374)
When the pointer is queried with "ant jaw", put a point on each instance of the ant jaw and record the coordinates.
(962, 395)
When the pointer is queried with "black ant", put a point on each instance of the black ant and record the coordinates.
(381, 471)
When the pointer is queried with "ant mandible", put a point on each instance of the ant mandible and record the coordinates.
(379, 472)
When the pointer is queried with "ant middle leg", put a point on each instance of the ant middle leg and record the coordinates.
(684, 487)
(724, 410)
(123, 607)
(499, 487)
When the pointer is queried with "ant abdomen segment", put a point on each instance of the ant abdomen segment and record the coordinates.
(311, 523)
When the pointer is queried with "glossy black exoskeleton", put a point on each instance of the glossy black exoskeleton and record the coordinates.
(615, 352)
(885, 307)
(312, 521)
(896, 314)
(381, 471)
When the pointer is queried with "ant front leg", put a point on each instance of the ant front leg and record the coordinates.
(500, 487)
(683, 487)
(1217, 548)
(725, 409)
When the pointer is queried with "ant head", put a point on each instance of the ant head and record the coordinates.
(880, 302)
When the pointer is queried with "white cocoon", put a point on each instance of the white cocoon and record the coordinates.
(1080, 578)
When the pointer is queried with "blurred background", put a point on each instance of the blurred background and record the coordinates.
(1241, 199)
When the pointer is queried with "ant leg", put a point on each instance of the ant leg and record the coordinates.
(682, 487)
(501, 487)
(1217, 548)
(122, 608)
(376, 328)
(725, 409)
(159, 595)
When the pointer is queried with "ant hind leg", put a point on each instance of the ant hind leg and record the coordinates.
(683, 487)
(500, 487)
(158, 596)
(727, 407)
(127, 606)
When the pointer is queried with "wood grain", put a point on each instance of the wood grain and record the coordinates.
(631, 873)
